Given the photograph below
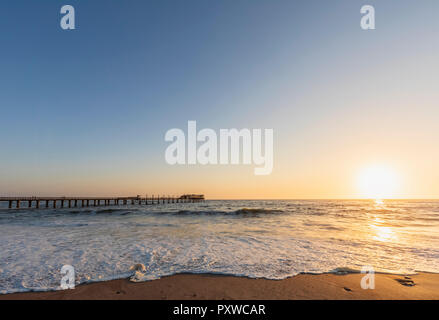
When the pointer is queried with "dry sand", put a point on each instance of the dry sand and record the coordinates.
(215, 287)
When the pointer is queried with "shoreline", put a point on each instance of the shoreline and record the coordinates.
(326, 286)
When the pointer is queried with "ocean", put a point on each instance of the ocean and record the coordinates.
(272, 239)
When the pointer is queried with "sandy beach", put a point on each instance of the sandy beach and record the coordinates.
(215, 287)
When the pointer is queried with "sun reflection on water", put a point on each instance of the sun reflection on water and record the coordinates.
(382, 233)
(379, 228)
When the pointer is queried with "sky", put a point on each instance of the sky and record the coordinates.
(85, 111)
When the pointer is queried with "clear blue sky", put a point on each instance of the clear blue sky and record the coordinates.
(86, 110)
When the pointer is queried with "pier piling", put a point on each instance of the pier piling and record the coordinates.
(85, 202)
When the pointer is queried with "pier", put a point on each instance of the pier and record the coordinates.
(72, 202)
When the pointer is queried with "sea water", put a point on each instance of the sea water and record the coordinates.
(272, 239)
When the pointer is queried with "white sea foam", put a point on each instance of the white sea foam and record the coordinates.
(258, 239)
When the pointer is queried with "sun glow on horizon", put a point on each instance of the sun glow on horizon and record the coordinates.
(378, 182)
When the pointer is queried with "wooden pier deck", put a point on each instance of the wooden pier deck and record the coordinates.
(71, 202)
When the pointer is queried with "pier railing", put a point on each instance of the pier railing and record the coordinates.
(69, 202)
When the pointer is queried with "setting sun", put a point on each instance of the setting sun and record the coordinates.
(378, 182)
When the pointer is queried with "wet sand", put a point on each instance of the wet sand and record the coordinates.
(216, 287)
